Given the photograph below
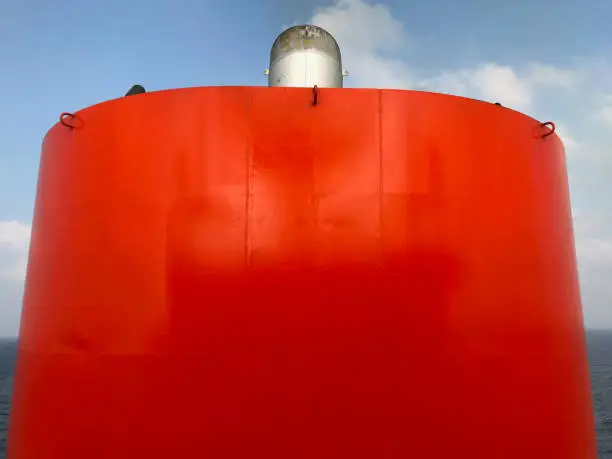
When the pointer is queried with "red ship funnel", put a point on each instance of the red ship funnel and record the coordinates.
(238, 273)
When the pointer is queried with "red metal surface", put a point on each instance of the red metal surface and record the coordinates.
(234, 272)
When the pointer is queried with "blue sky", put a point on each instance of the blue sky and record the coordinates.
(64, 55)
(551, 59)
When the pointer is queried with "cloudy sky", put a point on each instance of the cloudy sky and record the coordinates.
(550, 59)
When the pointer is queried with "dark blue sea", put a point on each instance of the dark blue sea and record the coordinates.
(600, 359)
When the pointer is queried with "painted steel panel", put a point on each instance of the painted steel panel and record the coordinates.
(234, 272)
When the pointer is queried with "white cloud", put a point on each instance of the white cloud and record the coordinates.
(14, 235)
(581, 94)
(368, 34)
(365, 32)
(604, 115)
(14, 243)
(361, 26)
(593, 248)
(489, 81)
(499, 82)
(549, 76)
